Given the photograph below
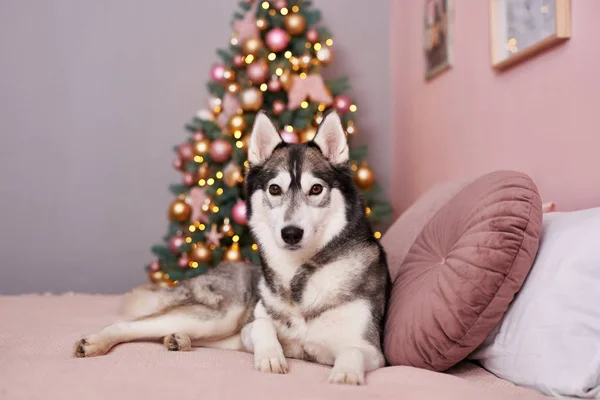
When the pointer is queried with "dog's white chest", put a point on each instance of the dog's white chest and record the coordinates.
(307, 323)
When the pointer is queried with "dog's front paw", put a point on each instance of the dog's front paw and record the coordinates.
(178, 342)
(90, 347)
(271, 360)
(346, 375)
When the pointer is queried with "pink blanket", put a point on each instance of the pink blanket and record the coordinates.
(37, 334)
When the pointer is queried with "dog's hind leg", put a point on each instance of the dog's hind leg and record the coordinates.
(195, 321)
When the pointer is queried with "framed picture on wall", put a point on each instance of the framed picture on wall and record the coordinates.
(437, 39)
(522, 28)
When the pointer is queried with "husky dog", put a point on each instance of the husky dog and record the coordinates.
(320, 293)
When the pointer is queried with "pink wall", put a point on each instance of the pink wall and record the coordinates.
(540, 117)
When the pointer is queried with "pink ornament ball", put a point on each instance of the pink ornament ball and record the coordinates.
(188, 179)
(278, 107)
(342, 103)
(279, 4)
(238, 60)
(238, 212)
(277, 39)
(175, 243)
(177, 163)
(312, 35)
(198, 136)
(183, 261)
(154, 265)
(216, 72)
(274, 85)
(220, 150)
(258, 72)
(186, 152)
(290, 137)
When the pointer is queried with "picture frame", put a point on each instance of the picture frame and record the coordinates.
(520, 29)
(437, 34)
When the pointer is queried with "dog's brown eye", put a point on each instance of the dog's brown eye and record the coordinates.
(316, 189)
(274, 190)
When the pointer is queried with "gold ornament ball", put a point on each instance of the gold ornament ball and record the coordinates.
(179, 210)
(295, 24)
(203, 171)
(201, 254)
(261, 23)
(229, 75)
(155, 276)
(233, 253)
(364, 177)
(233, 87)
(286, 80)
(251, 99)
(233, 176)
(201, 147)
(237, 123)
(325, 55)
(308, 134)
(252, 46)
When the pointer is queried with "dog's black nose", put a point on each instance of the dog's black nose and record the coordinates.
(292, 234)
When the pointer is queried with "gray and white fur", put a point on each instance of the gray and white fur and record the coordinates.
(320, 293)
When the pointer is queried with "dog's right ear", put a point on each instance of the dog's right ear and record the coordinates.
(263, 139)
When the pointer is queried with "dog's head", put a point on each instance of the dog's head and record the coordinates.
(298, 193)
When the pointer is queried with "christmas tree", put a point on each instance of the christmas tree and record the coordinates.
(274, 63)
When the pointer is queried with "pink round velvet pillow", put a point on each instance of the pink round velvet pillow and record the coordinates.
(462, 271)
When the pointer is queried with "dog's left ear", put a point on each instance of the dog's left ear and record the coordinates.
(331, 139)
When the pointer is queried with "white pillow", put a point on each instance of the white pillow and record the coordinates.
(549, 339)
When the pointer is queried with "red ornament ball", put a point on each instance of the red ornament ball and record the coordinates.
(279, 4)
(154, 266)
(217, 72)
(274, 85)
(290, 137)
(177, 163)
(188, 179)
(278, 107)
(198, 136)
(185, 151)
(312, 35)
(277, 39)
(183, 261)
(342, 103)
(258, 72)
(220, 150)
(238, 212)
(175, 243)
(238, 60)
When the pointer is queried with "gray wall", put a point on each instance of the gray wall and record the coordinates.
(94, 94)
